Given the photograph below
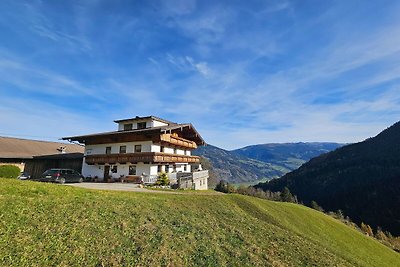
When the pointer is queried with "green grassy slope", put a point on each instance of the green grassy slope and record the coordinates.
(47, 225)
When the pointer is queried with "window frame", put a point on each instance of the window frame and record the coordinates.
(132, 167)
(141, 125)
(128, 126)
(138, 150)
(108, 150)
(121, 151)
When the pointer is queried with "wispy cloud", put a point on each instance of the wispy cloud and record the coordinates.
(243, 73)
(187, 63)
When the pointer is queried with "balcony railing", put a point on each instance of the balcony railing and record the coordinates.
(177, 141)
(151, 157)
(149, 179)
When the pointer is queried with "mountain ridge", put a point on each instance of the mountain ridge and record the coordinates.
(245, 164)
(362, 179)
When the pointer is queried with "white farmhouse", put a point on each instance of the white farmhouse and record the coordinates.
(143, 147)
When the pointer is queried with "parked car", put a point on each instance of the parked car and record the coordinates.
(61, 176)
(24, 176)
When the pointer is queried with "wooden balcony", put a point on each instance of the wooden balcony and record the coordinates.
(177, 141)
(151, 157)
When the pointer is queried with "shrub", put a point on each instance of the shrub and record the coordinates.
(162, 179)
(9, 171)
(225, 187)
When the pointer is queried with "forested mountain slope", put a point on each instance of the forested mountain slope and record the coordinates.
(361, 179)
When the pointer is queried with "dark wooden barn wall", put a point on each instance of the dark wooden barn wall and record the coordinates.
(36, 167)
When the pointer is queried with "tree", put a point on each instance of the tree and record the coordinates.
(225, 187)
(162, 179)
(380, 234)
(367, 229)
(221, 186)
(286, 196)
(314, 205)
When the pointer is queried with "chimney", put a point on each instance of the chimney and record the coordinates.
(62, 149)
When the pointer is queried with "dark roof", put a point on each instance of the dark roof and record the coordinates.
(145, 118)
(160, 129)
(18, 148)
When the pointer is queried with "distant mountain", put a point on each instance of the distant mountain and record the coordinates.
(257, 162)
(287, 155)
(235, 168)
(361, 179)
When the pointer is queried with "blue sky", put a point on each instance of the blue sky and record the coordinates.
(243, 72)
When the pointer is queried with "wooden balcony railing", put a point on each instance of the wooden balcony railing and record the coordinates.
(177, 141)
(151, 157)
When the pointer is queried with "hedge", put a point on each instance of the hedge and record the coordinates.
(9, 171)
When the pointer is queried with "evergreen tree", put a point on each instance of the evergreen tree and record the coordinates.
(314, 205)
(286, 196)
(162, 179)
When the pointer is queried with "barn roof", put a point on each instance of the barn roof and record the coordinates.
(17, 148)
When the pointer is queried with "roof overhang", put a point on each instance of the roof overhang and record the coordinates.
(187, 131)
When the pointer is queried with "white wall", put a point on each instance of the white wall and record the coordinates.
(158, 123)
(130, 146)
(149, 123)
(141, 168)
(180, 152)
(153, 169)
(168, 150)
(201, 184)
(92, 170)
(155, 148)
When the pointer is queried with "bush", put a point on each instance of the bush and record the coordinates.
(162, 179)
(225, 187)
(9, 171)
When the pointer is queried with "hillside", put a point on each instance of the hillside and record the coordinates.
(266, 161)
(53, 225)
(361, 179)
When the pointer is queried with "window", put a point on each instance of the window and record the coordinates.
(108, 150)
(167, 168)
(132, 170)
(184, 167)
(88, 151)
(175, 151)
(127, 126)
(161, 148)
(141, 125)
(122, 149)
(138, 148)
(114, 169)
(159, 168)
